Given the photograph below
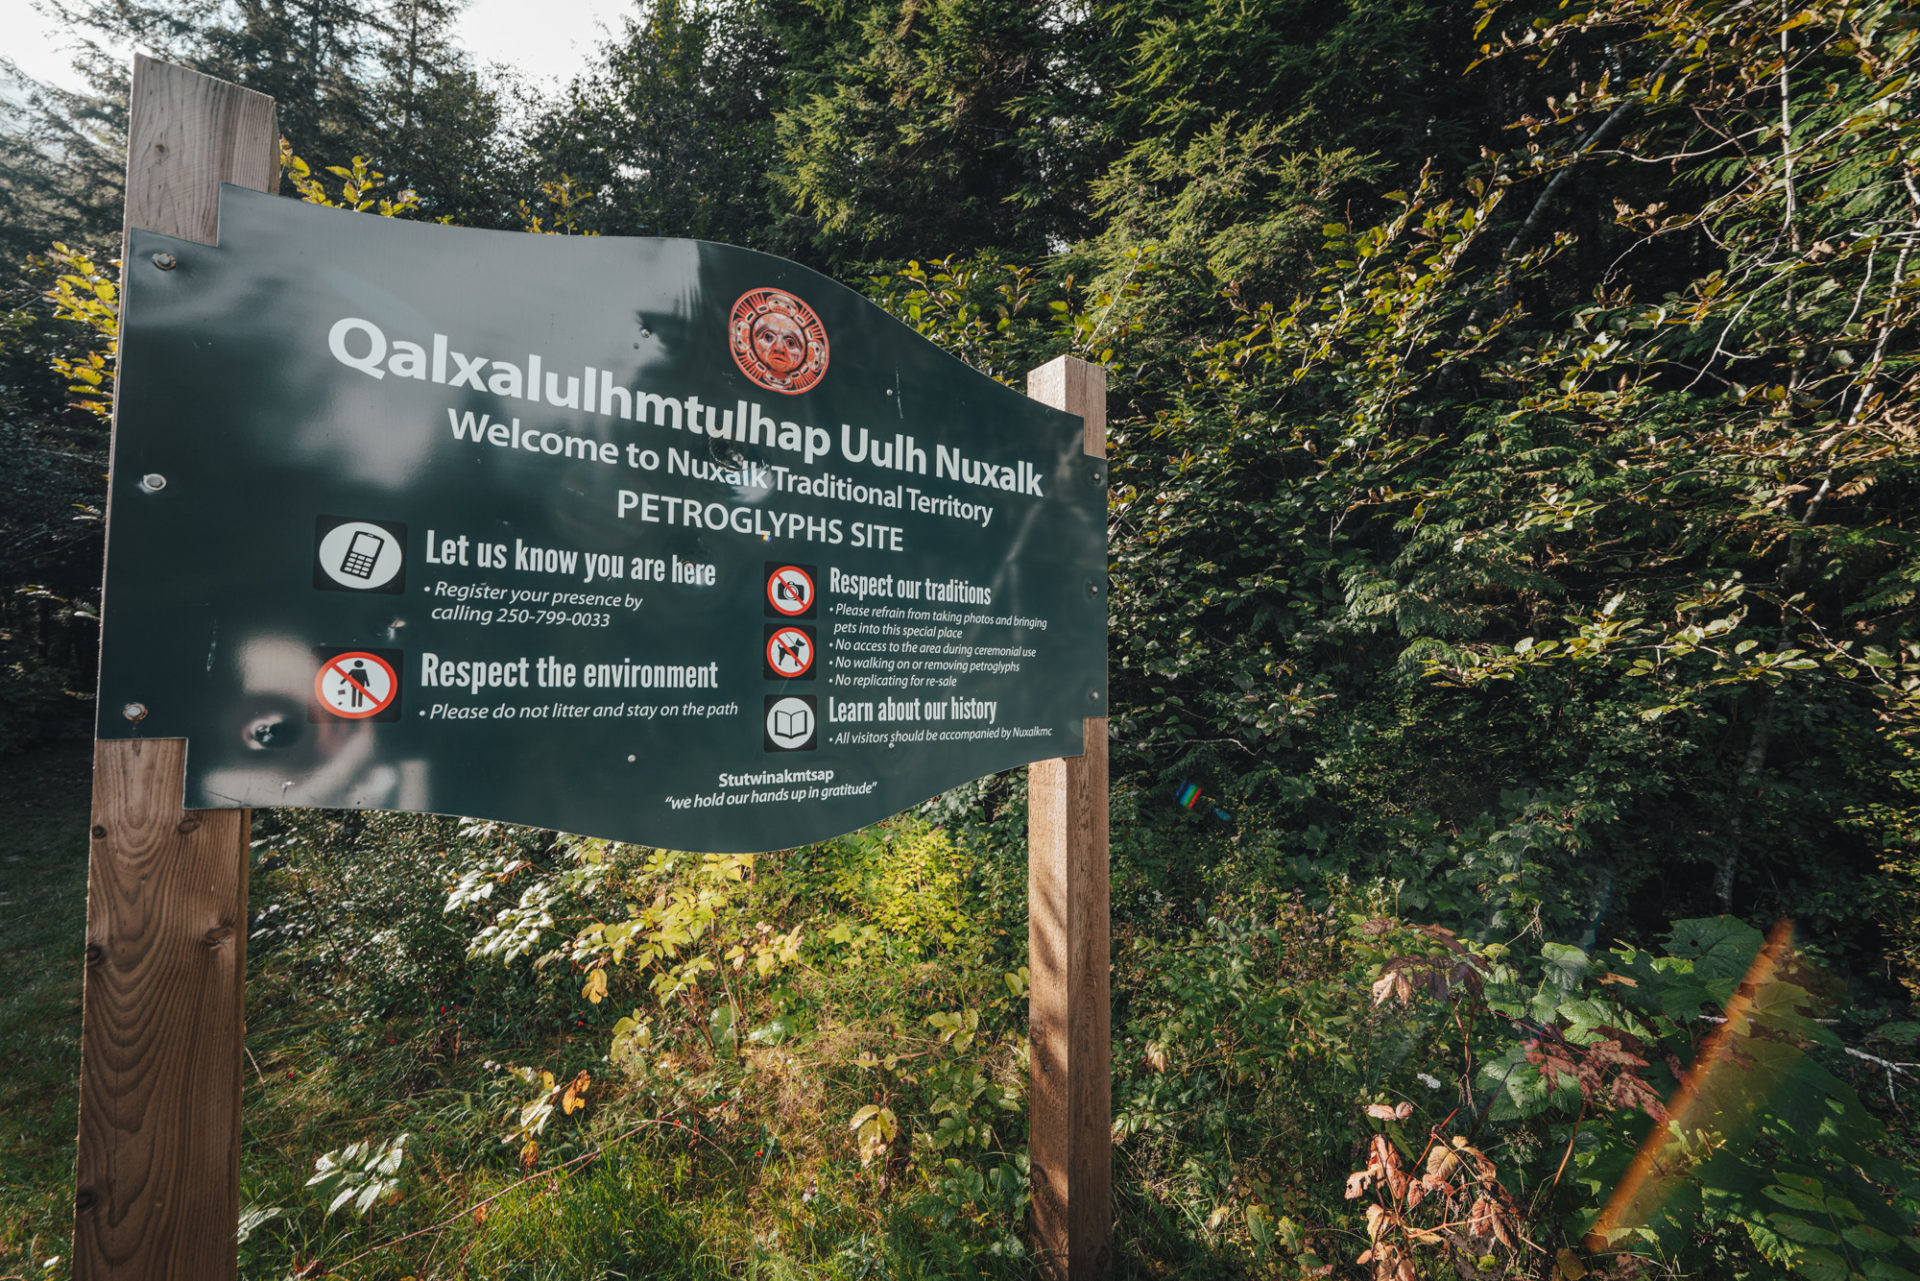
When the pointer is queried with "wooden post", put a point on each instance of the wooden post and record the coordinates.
(157, 1195)
(1070, 1108)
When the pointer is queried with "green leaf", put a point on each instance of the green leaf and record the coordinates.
(1565, 965)
(1865, 1236)
(1720, 947)
(1822, 1265)
(1795, 1200)
(1801, 1230)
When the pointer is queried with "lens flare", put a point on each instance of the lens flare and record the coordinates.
(1731, 1076)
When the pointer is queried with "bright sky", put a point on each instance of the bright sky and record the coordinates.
(544, 40)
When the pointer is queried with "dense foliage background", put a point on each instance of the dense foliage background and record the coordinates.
(1513, 535)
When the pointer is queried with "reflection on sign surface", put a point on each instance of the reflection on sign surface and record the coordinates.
(656, 540)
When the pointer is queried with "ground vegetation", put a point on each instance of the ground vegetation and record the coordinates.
(1513, 542)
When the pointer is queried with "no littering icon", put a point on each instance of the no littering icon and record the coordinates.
(356, 685)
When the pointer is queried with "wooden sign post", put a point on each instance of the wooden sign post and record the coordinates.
(157, 1195)
(1070, 1098)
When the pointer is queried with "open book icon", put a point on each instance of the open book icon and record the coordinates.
(797, 723)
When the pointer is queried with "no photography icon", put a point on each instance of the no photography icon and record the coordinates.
(790, 590)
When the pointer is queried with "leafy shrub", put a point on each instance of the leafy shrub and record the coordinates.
(358, 900)
(906, 879)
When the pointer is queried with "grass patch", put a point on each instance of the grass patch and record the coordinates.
(43, 917)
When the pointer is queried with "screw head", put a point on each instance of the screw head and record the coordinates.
(153, 482)
(1093, 696)
(165, 262)
(135, 712)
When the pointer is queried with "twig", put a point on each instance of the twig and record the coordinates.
(1888, 1064)
(1571, 1140)
(1620, 113)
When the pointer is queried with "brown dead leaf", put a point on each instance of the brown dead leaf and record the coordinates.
(1392, 984)
(1389, 1162)
(1441, 1165)
(1480, 1219)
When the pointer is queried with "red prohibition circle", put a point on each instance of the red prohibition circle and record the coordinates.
(778, 341)
(375, 706)
(805, 649)
(791, 608)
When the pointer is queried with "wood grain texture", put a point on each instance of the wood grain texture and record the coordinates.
(157, 1190)
(1070, 1004)
(186, 134)
(1079, 388)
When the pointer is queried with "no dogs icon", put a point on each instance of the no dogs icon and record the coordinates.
(789, 651)
(356, 685)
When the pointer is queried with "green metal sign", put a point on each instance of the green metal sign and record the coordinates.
(658, 540)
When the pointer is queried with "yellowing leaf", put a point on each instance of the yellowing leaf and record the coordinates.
(573, 1098)
(596, 988)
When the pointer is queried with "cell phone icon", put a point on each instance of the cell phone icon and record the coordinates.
(354, 555)
(363, 552)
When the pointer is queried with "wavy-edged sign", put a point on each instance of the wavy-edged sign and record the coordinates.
(658, 540)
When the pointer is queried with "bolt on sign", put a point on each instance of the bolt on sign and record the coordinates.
(657, 540)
